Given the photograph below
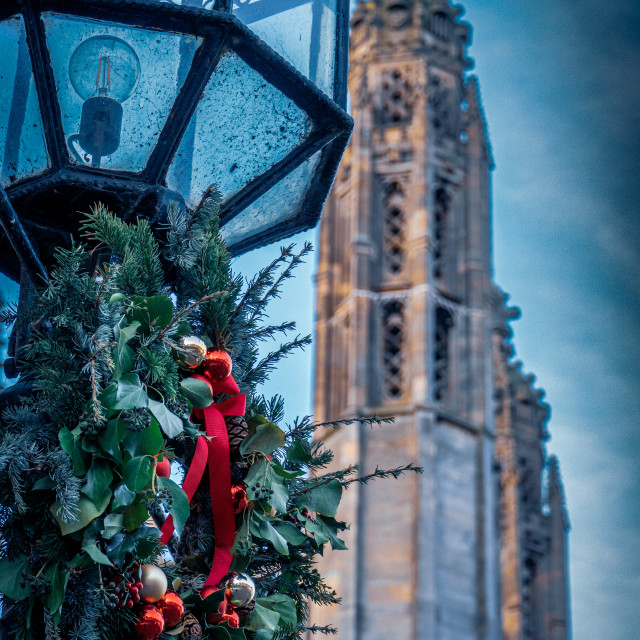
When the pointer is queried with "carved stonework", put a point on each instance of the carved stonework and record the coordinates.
(396, 98)
(441, 108)
(394, 227)
(392, 330)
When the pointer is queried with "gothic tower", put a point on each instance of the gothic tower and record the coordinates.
(405, 327)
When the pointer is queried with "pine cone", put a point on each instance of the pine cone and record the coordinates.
(192, 628)
(245, 613)
(238, 431)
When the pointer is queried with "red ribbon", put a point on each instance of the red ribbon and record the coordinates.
(214, 450)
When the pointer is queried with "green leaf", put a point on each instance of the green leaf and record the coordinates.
(291, 533)
(96, 555)
(266, 438)
(134, 516)
(260, 474)
(54, 597)
(262, 618)
(285, 473)
(108, 396)
(280, 496)
(99, 478)
(80, 458)
(122, 497)
(197, 392)
(147, 442)
(66, 440)
(113, 524)
(266, 531)
(169, 422)
(130, 394)
(323, 499)
(111, 438)
(179, 509)
(123, 354)
(11, 576)
(137, 473)
(183, 328)
(297, 453)
(153, 312)
(44, 484)
(117, 298)
(87, 511)
(283, 604)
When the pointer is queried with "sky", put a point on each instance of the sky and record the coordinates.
(560, 84)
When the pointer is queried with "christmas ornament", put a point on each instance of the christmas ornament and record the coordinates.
(218, 365)
(154, 583)
(226, 613)
(150, 624)
(172, 608)
(240, 589)
(239, 497)
(191, 627)
(193, 352)
(245, 613)
(238, 430)
(163, 467)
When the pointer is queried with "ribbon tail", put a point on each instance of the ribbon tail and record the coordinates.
(190, 484)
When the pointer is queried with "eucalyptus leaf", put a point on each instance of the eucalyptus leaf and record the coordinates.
(262, 618)
(96, 555)
(291, 533)
(280, 496)
(169, 422)
(323, 499)
(137, 473)
(283, 604)
(266, 531)
(197, 392)
(87, 511)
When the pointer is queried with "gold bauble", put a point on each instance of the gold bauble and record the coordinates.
(154, 583)
(242, 589)
(193, 353)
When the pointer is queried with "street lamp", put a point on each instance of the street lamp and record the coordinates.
(139, 103)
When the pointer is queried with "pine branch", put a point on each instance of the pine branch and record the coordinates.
(305, 427)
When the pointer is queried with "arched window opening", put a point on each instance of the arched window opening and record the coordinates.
(396, 96)
(392, 348)
(444, 323)
(440, 219)
(394, 227)
(440, 25)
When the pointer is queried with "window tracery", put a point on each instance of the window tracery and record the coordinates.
(440, 220)
(393, 330)
(443, 325)
(396, 96)
(394, 227)
(440, 25)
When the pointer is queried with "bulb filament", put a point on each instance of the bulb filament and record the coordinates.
(103, 79)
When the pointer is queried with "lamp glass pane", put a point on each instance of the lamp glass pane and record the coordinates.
(242, 126)
(106, 73)
(23, 151)
(301, 31)
(282, 202)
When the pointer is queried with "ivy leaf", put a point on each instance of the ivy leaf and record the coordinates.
(122, 353)
(262, 618)
(134, 516)
(266, 531)
(113, 524)
(111, 437)
(137, 473)
(130, 394)
(169, 422)
(96, 555)
(283, 604)
(266, 438)
(179, 508)
(87, 511)
(197, 392)
(323, 499)
(54, 597)
(11, 576)
(108, 395)
(44, 484)
(153, 312)
(122, 497)
(280, 496)
(99, 478)
(291, 533)
(147, 442)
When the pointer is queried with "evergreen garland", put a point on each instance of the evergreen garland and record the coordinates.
(104, 399)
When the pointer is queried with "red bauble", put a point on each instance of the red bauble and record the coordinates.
(218, 365)
(239, 498)
(151, 623)
(172, 608)
(163, 467)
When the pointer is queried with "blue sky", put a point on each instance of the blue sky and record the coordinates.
(560, 84)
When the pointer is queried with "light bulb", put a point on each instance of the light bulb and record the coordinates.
(104, 66)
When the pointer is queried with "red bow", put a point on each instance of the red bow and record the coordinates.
(214, 450)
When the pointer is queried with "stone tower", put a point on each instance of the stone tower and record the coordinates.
(406, 327)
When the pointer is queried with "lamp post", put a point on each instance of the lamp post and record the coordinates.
(139, 103)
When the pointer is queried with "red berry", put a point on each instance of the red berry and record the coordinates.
(138, 585)
(128, 603)
(133, 591)
(128, 586)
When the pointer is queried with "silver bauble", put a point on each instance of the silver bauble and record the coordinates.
(154, 584)
(242, 589)
(193, 352)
